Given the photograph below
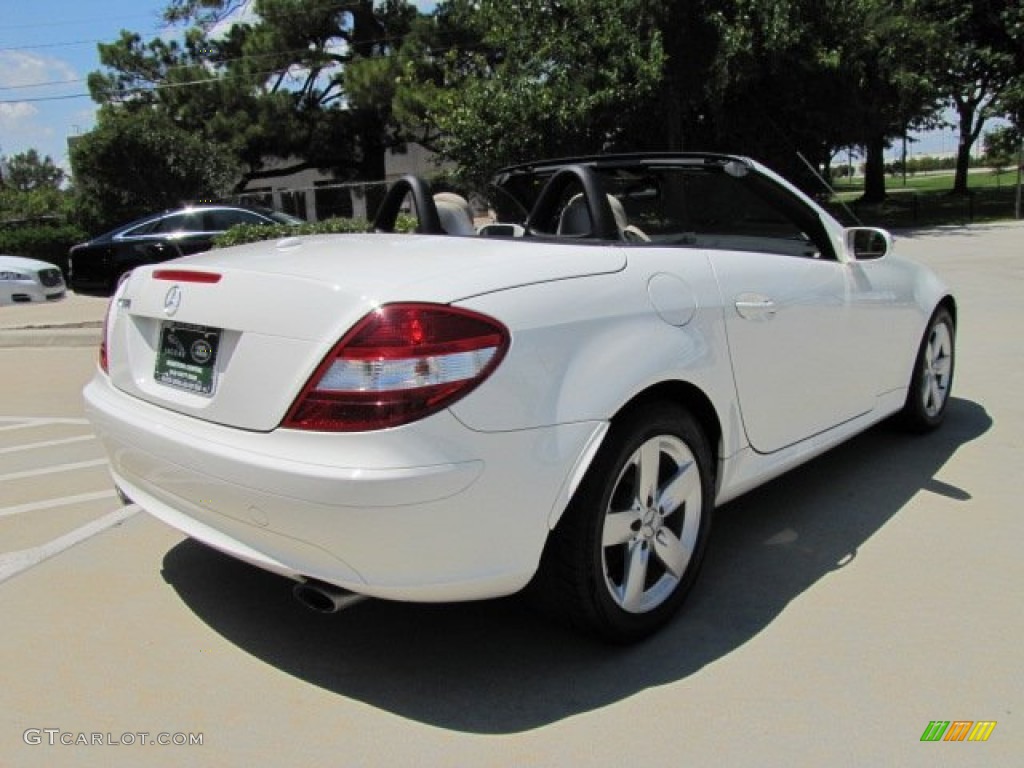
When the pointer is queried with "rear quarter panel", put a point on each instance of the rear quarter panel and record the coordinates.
(583, 348)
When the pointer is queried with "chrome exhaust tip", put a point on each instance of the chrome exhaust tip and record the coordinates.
(322, 597)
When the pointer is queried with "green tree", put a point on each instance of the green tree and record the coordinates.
(777, 79)
(814, 77)
(1001, 145)
(979, 66)
(138, 161)
(30, 188)
(530, 79)
(273, 87)
(27, 171)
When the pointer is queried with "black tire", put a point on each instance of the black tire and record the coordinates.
(605, 567)
(932, 381)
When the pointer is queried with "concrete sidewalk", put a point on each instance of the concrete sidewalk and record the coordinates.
(75, 321)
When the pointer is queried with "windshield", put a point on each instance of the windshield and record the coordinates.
(718, 203)
(283, 218)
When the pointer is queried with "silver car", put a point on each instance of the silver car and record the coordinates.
(23, 281)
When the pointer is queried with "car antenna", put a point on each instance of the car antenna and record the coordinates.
(830, 189)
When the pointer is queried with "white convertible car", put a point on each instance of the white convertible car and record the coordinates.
(557, 398)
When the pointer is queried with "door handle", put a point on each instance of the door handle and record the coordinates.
(754, 306)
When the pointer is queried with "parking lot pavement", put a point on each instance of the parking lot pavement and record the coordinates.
(844, 609)
(55, 490)
(73, 321)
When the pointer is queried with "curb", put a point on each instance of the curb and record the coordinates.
(12, 338)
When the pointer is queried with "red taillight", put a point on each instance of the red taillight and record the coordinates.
(398, 364)
(186, 276)
(112, 307)
(104, 360)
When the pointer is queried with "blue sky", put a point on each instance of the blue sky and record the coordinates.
(48, 47)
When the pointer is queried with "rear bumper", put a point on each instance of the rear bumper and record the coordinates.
(431, 511)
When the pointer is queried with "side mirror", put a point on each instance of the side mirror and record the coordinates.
(867, 243)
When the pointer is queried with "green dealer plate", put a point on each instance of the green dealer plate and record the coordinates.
(187, 357)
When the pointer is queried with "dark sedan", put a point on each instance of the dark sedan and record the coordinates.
(97, 265)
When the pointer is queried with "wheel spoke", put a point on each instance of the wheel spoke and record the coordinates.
(941, 367)
(671, 552)
(619, 527)
(933, 395)
(636, 574)
(681, 487)
(648, 461)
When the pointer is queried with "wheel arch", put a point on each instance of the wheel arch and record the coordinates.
(948, 303)
(677, 392)
(690, 397)
(574, 581)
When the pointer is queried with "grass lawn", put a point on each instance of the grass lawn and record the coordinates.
(926, 200)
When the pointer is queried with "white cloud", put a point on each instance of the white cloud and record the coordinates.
(28, 119)
(12, 115)
(18, 68)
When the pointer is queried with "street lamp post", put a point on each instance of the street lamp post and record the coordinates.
(1020, 163)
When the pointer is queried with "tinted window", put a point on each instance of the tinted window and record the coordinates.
(225, 218)
(718, 210)
(192, 221)
(142, 229)
(173, 223)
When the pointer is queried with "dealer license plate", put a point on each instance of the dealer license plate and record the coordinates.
(187, 357)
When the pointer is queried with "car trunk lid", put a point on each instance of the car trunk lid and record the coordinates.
(232, 336)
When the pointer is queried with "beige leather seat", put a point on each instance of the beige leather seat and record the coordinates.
(575, 220)
(455, 214)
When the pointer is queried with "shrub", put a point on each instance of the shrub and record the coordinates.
(251, 233)
(44, 241)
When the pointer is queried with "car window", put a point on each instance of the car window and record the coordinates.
(192, 221)
(143, 229)
(173, 223)
(219, 220)
(719, 210)
(284, 218)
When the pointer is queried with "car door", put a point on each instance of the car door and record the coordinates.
(793, 340)
(186, 232)
(140, 245)
(793, 343)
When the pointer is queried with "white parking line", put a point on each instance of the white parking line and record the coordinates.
(63, 501)
(47, 444)
(28, 422)
(53, 470)
(14, 563)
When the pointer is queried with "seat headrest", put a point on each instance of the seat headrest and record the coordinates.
(575, 218)
(455, 213)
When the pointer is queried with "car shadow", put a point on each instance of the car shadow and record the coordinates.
(497, 667)
(931, 231)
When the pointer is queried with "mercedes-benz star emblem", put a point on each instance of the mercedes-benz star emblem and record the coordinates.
(172, 300)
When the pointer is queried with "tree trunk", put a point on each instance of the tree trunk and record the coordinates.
(963, 164)
(874, 171)
(966, 113)
(373, 167)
